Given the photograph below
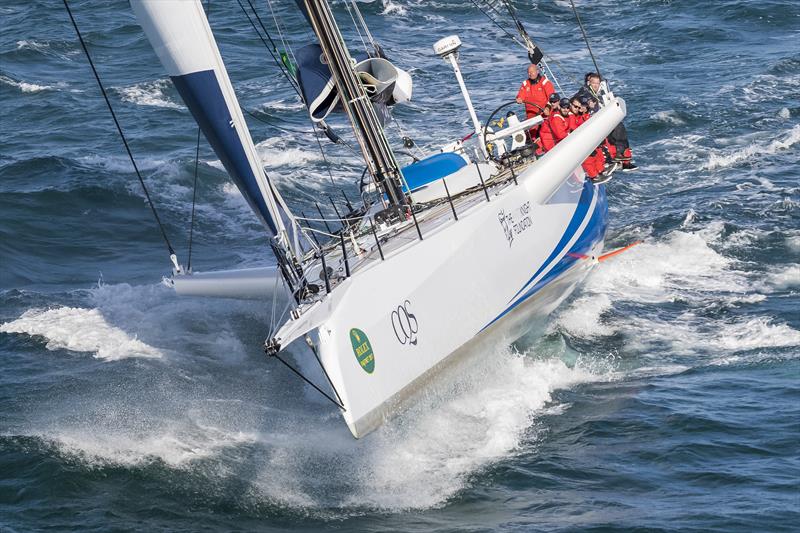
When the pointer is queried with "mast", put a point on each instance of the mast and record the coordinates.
(369, 133)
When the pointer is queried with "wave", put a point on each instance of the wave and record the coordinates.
(24, 86)
(668, 117)
(79, 330)
(276, 152)
(149, 93)
(682, 267)
(754, 149)
(391, 8)
(169, 411)
(780, 278)
(176, 444)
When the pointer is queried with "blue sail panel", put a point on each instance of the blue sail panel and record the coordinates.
(181, 37)
(203, 96)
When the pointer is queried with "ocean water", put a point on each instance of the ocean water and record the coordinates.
(664, 395)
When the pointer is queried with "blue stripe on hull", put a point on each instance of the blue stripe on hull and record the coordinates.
(593, 233)
(201, 93)
(584, 202)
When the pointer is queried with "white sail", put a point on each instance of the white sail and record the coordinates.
(179, 32)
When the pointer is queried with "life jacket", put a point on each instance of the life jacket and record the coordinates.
(535, 95)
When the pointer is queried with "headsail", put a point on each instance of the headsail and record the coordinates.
(180, 34)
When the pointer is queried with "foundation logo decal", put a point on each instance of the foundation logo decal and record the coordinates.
(362, 350)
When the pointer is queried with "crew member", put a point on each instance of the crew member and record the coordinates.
(545, 140)
(577, 114)
(590, 102)
(591, 86)
(551, 101)
(618, 138)
(555, 128)
(534, 92)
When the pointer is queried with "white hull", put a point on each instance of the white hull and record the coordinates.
(470, 283)
(456, 292)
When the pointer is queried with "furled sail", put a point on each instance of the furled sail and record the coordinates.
(180, 34)
(385, 84)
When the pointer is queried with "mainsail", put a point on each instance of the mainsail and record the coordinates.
(180, 34)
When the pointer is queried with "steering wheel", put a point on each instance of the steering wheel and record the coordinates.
(487, 144)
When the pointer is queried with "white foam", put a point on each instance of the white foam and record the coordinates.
(484, 421)
(784, 113)
(682, 263)
(149, 93)
(121, 163)
(778, 278)
(756, 148)
(391, 8)
(26, 44)
(793, 243)
(682, 266)
(691, 335)
(690, 217)
(80, 330)
(24, 86)
(753, 334)
(668, 117)
(583, 318)
(478, 415)
(275, 152)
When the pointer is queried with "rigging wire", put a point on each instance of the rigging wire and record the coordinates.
(547, 57)
(585, 38)
(196, 169)
(280, 64)
(194, 200)
(301, 376)
(124, 139)
(283, 70)
(355, 25)
(361, 20)
(283, 128)
(284, 42)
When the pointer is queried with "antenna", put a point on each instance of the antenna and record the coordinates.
(447, 49)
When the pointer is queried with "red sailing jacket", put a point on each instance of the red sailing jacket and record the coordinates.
(574, 121)
(535, 92)
(559, 127)
(546, 136)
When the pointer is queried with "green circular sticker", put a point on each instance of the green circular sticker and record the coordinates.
(362, 350)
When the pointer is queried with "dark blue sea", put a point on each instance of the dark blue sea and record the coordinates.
(664, 395)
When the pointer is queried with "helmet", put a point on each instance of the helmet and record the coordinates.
(554, 98)
(564, 103)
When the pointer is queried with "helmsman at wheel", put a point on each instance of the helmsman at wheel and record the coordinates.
(534, 92)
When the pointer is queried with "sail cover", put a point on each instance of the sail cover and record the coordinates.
(180, 34)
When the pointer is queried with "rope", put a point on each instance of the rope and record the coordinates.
(121, 134)
(585, 38)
